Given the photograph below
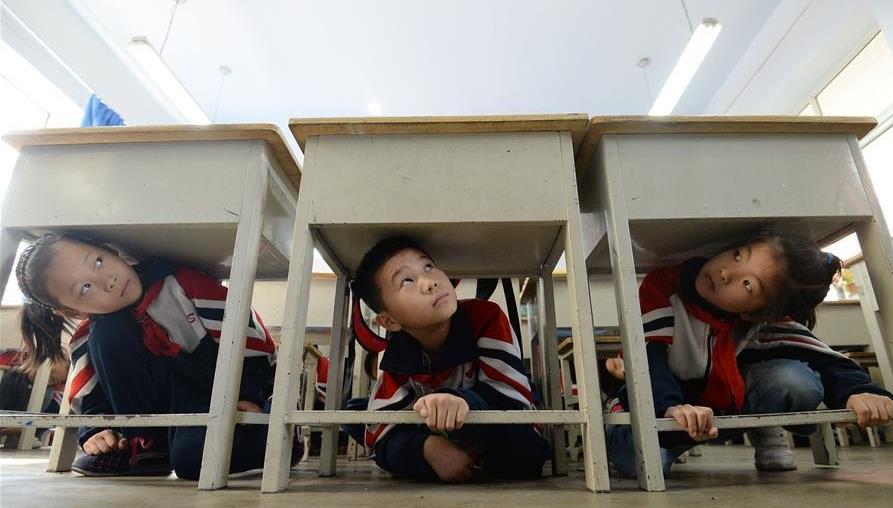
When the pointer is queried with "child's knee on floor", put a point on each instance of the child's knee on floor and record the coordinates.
(516, 452)
(782, 385)
(186, 446)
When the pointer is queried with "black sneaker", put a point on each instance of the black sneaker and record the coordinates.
(141, 459)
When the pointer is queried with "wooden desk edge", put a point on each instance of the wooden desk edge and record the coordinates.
(604, 125)
(268, 133)
(576, 123)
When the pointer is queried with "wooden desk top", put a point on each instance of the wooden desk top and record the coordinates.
(268, 133)
(576, 123)
(602, 125)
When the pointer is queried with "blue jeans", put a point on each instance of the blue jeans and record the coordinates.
(773, 386)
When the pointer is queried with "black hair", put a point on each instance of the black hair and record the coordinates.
(374, 259)
(15, 390)
(40, 325)
(806, 275)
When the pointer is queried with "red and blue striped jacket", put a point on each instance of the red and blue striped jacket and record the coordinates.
(180, 308)
(705, 345)
(481, 354)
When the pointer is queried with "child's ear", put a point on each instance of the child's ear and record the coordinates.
(384, 320)
(70, 314)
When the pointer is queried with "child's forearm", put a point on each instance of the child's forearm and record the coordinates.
(665, 388)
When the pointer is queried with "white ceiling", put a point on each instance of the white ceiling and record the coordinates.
(297, 58)
(303, 58)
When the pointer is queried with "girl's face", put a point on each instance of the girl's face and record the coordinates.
(741, 280)
(90, 280)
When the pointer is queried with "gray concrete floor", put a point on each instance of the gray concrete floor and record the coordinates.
(723, 476)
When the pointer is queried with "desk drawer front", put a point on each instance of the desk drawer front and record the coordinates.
(738, 176)
(425, 178)
(129, 183)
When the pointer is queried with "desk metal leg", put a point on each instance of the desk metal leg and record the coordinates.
(359, 388)
(824, 451)
(35, 402)
(64, 438)
(874, 437)
(309, 400)
(230, 356)
(328, 455)
(594, 452)
(635, 359)
(877, 250)
(869, 307)
(570, 401)
(286, 387)
(842, 437)
(552, 384)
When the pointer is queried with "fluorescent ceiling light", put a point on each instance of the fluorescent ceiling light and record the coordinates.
(167, 81)
(691, 59)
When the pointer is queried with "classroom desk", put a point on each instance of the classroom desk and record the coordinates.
(220, 198)
(457, 185)
(657, 190)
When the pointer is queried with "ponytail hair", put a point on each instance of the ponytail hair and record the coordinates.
(807, 273)
(42, 331)
(40, 324)
(15, 390)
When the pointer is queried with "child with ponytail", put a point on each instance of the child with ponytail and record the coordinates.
(147, 343)
(733, 335)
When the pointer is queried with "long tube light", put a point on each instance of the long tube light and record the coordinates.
(158, 71)
(688, 64)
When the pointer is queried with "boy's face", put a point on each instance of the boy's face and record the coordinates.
(415, 293)
(740, 280)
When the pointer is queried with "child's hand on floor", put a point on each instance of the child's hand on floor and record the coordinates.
(871, 409)
(104, 442)
(451, 464)
(442, 411)
(696, 420)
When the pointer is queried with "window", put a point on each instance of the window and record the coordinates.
(864, 87)
(28, 100)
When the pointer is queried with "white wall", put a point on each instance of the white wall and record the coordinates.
(10, 337)
(837, 324)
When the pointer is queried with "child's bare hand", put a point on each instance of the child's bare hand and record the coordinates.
(442, 411)
(248, 406)
(696, 420)
(615, 368)
(104, 442)
(451, 464)
(871, 409)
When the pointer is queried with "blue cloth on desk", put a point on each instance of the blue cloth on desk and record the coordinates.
(98, 114)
